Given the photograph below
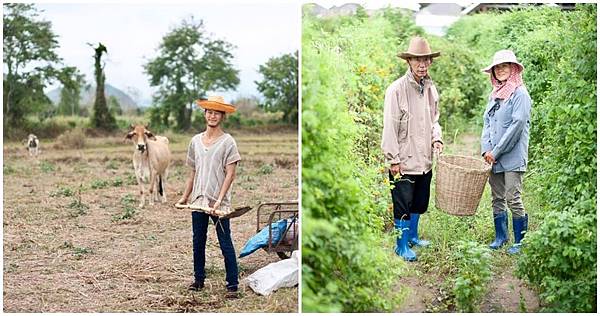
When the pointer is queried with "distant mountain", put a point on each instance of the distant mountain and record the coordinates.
(343, 10)
(349, 9)
(88, 96)
(315, 9)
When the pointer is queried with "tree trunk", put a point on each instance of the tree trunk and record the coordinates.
(102, 118)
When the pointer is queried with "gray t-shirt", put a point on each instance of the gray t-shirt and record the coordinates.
(209, 163)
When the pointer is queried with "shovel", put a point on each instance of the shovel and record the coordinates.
(237, 212)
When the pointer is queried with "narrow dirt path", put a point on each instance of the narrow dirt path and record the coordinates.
(508, 294)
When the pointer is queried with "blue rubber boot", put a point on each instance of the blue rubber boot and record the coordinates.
(519, 228)
(402, 248)
(501, 227)
(413, 232)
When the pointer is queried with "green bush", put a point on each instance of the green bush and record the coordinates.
(460, 83)
(560, 257)
(47, 128)
(72, 139)
(345, 266)
(565, 154)
(474, 272)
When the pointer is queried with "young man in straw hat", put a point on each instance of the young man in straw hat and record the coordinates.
(213, 156)
(411, 134)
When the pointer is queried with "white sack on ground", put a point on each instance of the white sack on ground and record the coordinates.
(279, 274)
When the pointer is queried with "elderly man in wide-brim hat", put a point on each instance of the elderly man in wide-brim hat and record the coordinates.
(411, 134)
(212, 156)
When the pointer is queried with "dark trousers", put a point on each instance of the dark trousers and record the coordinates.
(199, 228)
(410, 194)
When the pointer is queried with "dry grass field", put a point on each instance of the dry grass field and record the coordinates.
(75, 240)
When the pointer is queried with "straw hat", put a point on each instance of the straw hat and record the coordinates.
(216, 103)
(503, 56)
(418, 47)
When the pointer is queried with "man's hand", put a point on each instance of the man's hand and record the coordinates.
(489, 158)
(438, 147)
(216, 206)
(396, 169)
(182, 202)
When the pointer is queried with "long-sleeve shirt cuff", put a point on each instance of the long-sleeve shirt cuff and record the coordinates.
(495, 153)
(392, 161)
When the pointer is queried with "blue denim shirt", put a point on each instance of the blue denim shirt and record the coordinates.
(506, 131)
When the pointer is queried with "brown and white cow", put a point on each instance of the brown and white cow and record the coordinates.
(33, 145)
(151, 158)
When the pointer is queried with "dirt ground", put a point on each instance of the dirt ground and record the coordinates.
(75, 240)
(505, 294)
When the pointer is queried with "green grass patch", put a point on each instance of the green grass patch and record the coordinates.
(78, 208)
(8, 169)
(99, 184)
(127, 202)
(47, 167)
(265, 169)
(117, 182)
(130, 179)
(62, 191)
(112, 165)
(80, 252)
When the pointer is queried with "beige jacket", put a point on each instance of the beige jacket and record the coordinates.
(410, 124)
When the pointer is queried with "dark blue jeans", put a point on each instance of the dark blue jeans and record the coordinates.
(199, 228)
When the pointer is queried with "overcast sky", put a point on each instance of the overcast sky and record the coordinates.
(378, 4)
(370, 4)
(132, 32)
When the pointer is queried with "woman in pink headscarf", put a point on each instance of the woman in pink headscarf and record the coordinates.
(504, 144)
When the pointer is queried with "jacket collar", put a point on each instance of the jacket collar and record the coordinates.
(427, 80)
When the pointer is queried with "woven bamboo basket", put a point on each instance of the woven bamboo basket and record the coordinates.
(459, 184)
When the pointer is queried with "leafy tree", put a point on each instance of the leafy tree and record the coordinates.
(280, 85)
(114, 106)
(101, 118)
(189, 63)
(72, 81)
(29, 61)
(361, 14)
(404, 25)
(246, 105)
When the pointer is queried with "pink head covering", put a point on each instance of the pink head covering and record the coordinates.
(506, 89)
(503, 90)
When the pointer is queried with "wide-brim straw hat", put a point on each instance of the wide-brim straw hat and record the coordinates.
(503, 56)
(418, 47)
(216, 103)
